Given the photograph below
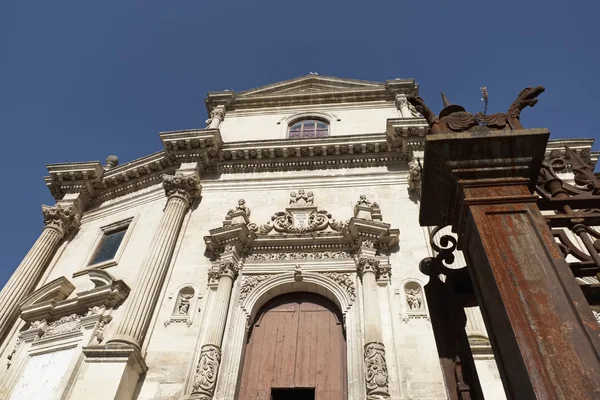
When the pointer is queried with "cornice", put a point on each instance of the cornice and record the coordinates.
(402, 137)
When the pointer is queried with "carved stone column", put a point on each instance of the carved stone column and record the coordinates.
(181, 190)
(402, 104)
(376, 375)
(216, 117)
(207, 370)
(59, 221)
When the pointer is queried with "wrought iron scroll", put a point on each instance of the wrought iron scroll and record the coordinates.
(573, 211)
(446, 300)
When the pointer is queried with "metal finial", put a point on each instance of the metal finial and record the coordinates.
(445, 100)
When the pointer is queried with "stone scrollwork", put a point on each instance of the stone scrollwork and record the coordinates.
(63, 218)
(249, 283)
(184, 186)
(344, 281)
(207, 370)
(376, 374)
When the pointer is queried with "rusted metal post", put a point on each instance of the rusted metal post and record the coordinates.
(543, 333)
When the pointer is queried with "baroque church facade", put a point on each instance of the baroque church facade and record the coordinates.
(272, 255)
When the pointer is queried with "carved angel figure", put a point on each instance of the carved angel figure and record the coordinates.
(414, 302)
(310, 199)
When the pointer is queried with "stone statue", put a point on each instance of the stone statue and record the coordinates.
(363, 201)
(240, 207)
(184, 304)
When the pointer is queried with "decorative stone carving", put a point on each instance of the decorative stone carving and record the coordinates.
(597, 315)
(414, 175)
(184, 186)
(298, 273)
(13, 352)
(63, 218)
(249, 283)
(376, 374)
(207, 370)
(299, 255)
(414, 296)
(227, 267)
(300, 199)
(241, 207)
(363, 201)
(99, 334)
(344, 281)
(67, 324)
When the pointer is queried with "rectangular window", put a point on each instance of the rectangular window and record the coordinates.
(108, 248)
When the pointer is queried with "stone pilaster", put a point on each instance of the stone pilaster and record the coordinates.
(181, 190)
(207, 370)
(376, 375)
(59, 220)
(216, 117)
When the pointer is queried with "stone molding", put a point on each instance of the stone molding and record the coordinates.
(64, 219)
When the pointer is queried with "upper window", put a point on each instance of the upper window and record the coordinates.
(109, 244)
(308, 128)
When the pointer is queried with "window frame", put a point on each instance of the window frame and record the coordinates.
(304, 119)
(125, 224)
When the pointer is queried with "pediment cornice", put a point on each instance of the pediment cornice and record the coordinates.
(311, 89)
(51, 301)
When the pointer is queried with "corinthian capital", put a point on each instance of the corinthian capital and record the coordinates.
(370, 264)
(61, 218)
(184, 186)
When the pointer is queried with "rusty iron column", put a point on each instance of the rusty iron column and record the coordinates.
(480, 179)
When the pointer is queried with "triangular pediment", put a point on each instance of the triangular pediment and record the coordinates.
(312, 84)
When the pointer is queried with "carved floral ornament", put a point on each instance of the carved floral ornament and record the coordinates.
(376, 374)
(207, 369)
(280, 238)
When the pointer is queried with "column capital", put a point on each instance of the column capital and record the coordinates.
(183, 186)
(367, 264)
(228, 268)
(62, 218)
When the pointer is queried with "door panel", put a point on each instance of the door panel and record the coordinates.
(296, 342)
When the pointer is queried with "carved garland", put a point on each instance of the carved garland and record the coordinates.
(319, 255)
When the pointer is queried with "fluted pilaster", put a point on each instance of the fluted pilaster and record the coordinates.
(376, 375)
(132, 329)
(207, 370)
(59, 221)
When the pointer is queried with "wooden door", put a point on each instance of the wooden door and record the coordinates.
(297, 341)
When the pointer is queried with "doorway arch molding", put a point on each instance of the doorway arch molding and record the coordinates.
(286, 282)
(244, 312)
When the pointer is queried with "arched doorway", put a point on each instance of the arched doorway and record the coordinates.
(296, 351)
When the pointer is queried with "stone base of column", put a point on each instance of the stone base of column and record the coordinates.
(109, 372)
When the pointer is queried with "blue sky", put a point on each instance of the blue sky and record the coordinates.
(80, 80)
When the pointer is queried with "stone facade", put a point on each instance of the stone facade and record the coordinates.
(167, 317)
